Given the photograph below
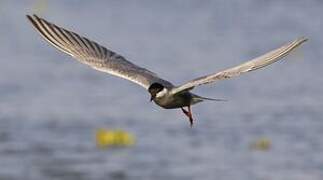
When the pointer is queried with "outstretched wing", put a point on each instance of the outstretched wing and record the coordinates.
(93, 54)
(254, 64)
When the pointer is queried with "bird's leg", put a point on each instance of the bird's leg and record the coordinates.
(184, 111)
(188, 114)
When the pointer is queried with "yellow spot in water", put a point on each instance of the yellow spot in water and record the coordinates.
(262, 144)
(114, 138)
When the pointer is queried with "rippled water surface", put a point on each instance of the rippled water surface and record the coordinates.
(51, 106)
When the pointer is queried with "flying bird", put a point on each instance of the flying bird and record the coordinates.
(162, 92)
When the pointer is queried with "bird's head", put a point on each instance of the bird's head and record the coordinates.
(154, 89)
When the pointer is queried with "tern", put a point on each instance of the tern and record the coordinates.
(162, 92)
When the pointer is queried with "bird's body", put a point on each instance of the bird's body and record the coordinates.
(162, 92)
(170, 101)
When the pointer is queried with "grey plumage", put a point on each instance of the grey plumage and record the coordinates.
(257, 63)
(93, 54)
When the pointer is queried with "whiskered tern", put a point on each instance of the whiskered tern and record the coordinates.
(162, 92)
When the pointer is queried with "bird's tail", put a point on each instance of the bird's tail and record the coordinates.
(197, 99)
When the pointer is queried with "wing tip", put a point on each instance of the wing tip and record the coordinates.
(301, 40)
(32, 18)
(29, 17)
(298, 42)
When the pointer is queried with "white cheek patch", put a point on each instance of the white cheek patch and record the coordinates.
(161, 93)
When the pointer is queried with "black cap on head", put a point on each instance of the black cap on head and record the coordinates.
(154, 88)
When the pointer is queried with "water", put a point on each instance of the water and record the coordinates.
(51, 106)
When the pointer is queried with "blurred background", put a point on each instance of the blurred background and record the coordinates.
(51, 106)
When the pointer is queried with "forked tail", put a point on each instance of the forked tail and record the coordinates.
(198, 99)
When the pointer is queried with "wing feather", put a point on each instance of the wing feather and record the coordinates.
(93, 54)
(257, 63)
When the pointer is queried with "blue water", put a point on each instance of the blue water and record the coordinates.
(51, 106)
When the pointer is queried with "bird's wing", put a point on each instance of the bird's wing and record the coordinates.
(93, 54)
(251, 65)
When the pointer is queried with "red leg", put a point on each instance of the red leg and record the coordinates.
(184, 111)
(188, 114)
